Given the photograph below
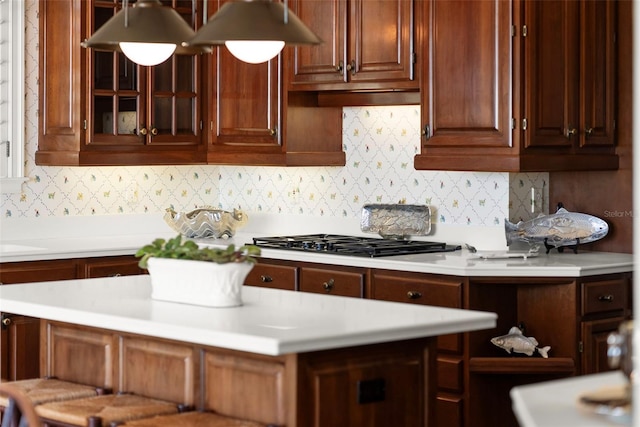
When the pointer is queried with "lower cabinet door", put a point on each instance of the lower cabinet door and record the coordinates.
(19, 347)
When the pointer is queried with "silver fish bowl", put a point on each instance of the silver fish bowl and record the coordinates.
(206, 222)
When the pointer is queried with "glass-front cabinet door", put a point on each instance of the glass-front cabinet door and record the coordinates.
(136, 106)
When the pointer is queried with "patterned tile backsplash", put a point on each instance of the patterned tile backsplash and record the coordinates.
(379, 142)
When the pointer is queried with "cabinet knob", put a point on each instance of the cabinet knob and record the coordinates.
(273, 132)
(328, 285)
(6, 321)
(426, 131)
(340, 67)
(154, 131)
(588, 132)
(414, 295)
(606, 298)
(351, 66)
(143, 131)
(570, 132)
(266, 279)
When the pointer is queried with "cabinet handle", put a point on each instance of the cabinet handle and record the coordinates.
(143, 131)
(606, 298)
(154, 131)
(266, 279)
(588, 132)
(328, 285)
(115, 275)
(570, 132)
(414, 295)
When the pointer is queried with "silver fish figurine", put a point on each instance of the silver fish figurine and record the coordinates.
(516, 342)
(562, 228)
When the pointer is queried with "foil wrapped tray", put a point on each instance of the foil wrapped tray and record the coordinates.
(206, 222)
(396, 220)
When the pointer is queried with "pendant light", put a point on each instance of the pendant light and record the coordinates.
(254, 31)
(147, 33)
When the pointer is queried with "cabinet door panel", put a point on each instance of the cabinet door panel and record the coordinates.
(382, 40)
(245, 103)
(93, 353)
(378, 389)
(322, 63)
(178, 362)
(551, 60)
(366, 45)
(19, 347)
(245, 386)
(594, 336)
(598, 70)
(466, 88)
(61, 104)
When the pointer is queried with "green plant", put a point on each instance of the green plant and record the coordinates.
(178, 249)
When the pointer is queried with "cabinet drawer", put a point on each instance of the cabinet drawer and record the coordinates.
(449, 410)
(38, 271)
(273, 276)
(417, 291)
(112, 267)
(332, 282)
(605, 295)
(450, 374)
(422, 290)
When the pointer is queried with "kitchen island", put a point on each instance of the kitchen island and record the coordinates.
(283, 358)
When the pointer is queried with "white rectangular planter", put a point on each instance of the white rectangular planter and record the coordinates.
(198, 282)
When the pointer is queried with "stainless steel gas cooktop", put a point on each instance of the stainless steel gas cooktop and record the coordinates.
(351, 245)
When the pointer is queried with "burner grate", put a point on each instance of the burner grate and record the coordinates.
(351, 245)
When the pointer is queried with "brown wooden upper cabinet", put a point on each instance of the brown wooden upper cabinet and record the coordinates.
(518, 85)
(366, 45)
(99, 108)
(252, 120)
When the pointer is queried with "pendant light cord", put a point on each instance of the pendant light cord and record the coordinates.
(286, 12)
(125, 4)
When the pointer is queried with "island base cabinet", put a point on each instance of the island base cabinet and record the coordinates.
(375, 386)
(378, 385)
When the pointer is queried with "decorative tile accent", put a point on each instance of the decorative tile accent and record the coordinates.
(380, 143)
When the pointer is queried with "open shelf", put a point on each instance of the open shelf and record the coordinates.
(521, 365)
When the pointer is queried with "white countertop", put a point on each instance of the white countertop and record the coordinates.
(555, 403)
(103, 238)
(271, 322)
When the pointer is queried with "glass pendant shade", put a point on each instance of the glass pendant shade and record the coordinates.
(147, 33)
(254, 51)
(252, 29)
(147, 53)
